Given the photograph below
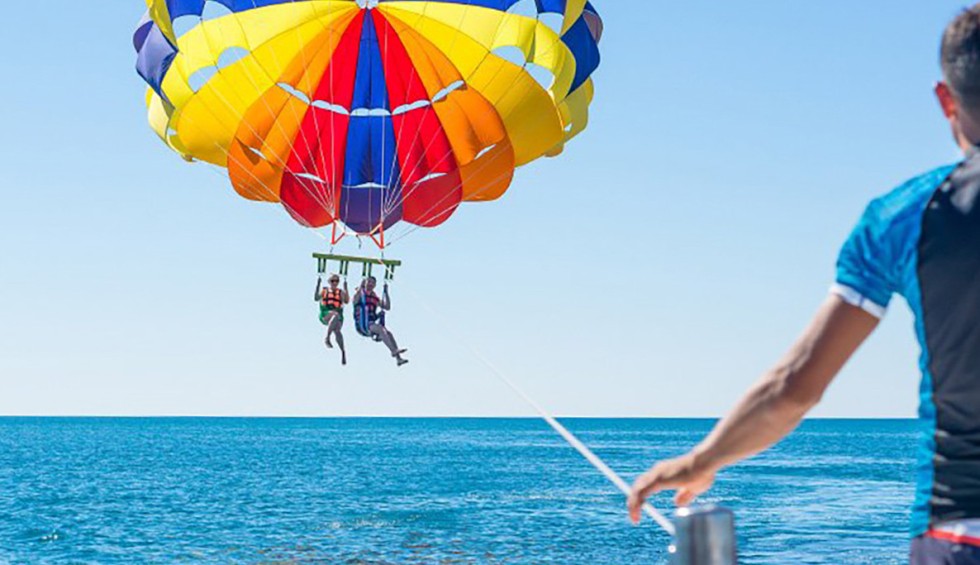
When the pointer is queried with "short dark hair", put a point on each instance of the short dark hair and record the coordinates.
(960, 56)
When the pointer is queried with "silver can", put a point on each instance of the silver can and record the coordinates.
(704, 536)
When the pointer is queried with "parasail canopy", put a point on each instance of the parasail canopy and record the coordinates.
(367, 113)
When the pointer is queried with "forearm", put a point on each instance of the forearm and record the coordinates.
(783, 396)
(766, 414)
(769, 411)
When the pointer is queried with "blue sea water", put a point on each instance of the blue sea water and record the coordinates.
(373, 491)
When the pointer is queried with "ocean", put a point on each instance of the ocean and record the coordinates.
(376, 491)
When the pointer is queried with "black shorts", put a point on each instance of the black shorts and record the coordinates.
(932, 551)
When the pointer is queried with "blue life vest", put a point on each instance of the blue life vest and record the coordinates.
(366, 313)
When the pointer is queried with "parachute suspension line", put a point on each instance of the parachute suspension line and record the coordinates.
(418, 132)
(265, 186)
(228, 155)
(387, 196)
(482, 166)
(568, 436)
(293, 212)
(333, 132)
(292, 146)
(435, 207)
(214, 169)
(409, 231)
(394, 150)
(463, 15)
(326, 205)
(330, 188)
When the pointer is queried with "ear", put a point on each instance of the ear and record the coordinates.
(946, 100)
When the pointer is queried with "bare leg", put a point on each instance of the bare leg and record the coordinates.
(389, 340)
(331, 320)
(335, 324)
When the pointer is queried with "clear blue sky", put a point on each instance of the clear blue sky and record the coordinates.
(655, 269)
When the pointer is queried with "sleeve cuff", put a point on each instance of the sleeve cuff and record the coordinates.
(855, 298)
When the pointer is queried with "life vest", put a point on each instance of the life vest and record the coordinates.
(332, 299)
(366, 313)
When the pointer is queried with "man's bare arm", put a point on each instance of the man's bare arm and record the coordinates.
(770, 410)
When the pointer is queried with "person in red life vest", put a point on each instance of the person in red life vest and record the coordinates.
(369, 317)
(332, 300)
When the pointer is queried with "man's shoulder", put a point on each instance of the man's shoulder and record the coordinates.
(875, 257)
(908, 200)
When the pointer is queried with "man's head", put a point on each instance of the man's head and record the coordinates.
(334, 280)
(370, 283)
(959, 93)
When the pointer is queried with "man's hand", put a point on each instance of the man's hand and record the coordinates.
(683, 474)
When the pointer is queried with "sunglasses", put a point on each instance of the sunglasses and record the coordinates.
(335, 280)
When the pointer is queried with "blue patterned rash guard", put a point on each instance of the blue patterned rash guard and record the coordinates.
(922, 241)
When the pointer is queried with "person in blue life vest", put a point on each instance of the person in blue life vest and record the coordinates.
(369, 317)
(332, 300)
(920, 241)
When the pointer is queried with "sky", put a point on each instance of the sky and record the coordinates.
(655, 269)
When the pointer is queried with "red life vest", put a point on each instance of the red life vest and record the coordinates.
(332, 299)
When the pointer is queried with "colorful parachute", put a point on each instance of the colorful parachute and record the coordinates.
(369, 112)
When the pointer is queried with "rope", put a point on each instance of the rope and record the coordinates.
(568, 436)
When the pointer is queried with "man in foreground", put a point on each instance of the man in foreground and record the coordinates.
(921, 241)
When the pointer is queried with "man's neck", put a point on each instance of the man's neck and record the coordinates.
(968, 136)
